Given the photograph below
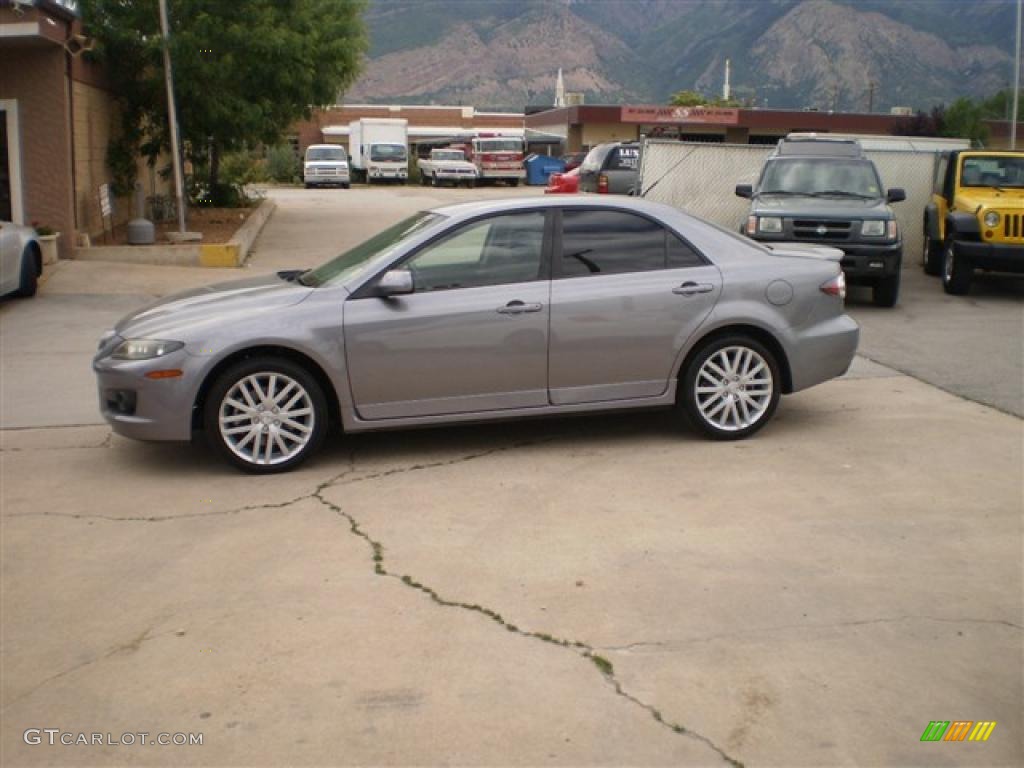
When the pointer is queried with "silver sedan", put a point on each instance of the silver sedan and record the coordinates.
(485, 310)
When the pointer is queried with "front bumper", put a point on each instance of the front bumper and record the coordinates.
(503, 173)
(340, 177)
(1002, 257)
(861, 261)
(148, 409)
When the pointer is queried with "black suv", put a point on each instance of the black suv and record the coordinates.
(825, 191)
(611, 169)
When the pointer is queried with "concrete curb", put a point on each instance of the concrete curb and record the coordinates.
(230, 254)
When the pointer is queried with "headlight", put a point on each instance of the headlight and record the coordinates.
(991, 219)
(145, 349)
(873, 228)
(770, 224)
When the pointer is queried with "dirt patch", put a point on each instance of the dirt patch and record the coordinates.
(218, 225)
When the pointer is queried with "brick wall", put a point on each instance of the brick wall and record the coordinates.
(34, 76)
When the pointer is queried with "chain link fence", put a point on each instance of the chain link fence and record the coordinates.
(701, 179)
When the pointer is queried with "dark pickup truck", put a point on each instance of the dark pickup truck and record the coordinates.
(825, 191)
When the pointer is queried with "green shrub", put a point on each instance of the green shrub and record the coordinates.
(282, 165)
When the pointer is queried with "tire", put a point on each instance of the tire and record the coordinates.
(514, 182)
(931, 259)
(423, 180)
(346, 186)
(31, 266)
(244, 383)
(886, 292)
(434, 182)
(710, 370)
(956, 271)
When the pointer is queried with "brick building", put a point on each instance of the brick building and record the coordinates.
(57, 116)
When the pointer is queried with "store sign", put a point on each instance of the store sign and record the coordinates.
(681, 115)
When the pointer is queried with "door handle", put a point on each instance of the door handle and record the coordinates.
(690, 288)
(517, 307)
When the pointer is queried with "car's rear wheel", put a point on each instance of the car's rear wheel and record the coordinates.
(28, 280)
(956, 270)
(731, 388)
(266, 415)
(932, 256)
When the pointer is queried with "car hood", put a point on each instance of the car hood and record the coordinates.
(805, 251)
(1010, 198)
(810, 207)
(170, 317)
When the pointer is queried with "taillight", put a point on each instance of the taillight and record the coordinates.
(602, 184)
(836, 286)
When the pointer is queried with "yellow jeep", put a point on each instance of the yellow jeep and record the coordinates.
(975, 219)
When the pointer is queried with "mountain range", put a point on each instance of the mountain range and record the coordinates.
(829, 54)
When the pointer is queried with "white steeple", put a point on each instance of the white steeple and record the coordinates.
(559, 90)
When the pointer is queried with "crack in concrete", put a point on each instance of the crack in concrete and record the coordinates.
(106, 442)
(605, 667)
(131, 646)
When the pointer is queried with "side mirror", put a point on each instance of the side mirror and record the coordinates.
(895, 195)
(395, 283)
(745, 190)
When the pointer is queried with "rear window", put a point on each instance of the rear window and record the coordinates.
(624, 159)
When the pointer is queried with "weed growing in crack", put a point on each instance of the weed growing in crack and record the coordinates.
(608, 670)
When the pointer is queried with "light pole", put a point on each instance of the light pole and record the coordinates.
(1016, 85)
(172, 116)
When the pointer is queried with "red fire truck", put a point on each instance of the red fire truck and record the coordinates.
(496, 157)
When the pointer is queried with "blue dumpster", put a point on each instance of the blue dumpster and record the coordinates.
(539, 167)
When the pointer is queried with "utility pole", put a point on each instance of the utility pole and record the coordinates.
(871, 95)
(172, 117)
(1016, 85)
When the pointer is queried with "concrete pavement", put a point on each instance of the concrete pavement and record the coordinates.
(594, 591)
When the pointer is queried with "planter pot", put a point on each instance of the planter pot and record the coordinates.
(48, 245)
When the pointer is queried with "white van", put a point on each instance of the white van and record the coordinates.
(325, 164)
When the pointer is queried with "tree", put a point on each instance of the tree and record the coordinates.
(243, 72)
(698, 99)
(963, 119)
(923, 123)
(999, 106)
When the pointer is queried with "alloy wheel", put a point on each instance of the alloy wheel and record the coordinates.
(734, 388)
(266, 418)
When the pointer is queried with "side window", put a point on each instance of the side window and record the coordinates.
(495, 251)
(610, 242)
(681, 254)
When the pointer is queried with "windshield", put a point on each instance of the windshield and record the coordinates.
(499, 145)
(856, 178)
(992, 171)
(325, 153)
(348, 264)
(383, 153)
(449, 156)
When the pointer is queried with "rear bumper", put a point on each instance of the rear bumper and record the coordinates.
(823, 351)
(1003, 257)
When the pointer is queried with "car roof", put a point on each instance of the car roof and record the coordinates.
(482, 207)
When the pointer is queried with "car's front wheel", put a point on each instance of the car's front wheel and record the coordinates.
(932, 259)
(956, 270)
(886, 292)
(731, 388)
(28, 279)
(266, 415)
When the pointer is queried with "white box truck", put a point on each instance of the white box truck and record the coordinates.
(378, 148)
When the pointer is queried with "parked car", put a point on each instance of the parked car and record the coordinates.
(975, 219)
(611, 168)
(447, 165)
(325, 164)
(21, 260)
(485, 310)
(573, 160)
(826, 191)
(563, 183)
